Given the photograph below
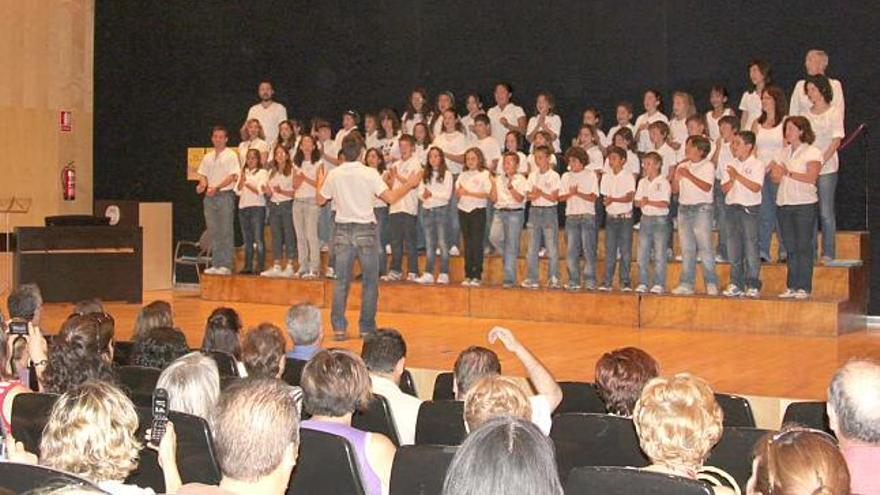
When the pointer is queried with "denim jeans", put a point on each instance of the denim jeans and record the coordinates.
(325, 225)
(404, 234)
(496, 233)
(281, 225)
(769, 222)
(798, 223)
(453, 226)
(827, 186)
(331, 254)
(618, 238)
(356, 240)
(305, 222)
(695, 235)
(653, 237)
(742, 246)
(543, 230)
(581, 236)
(252, 220)
(473, 225)
(434, 226)
(487, 234)
(509, 229)
(384, 228)
(219, 221)
(720, 220)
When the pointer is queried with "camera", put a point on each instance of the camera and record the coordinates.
(18, 327)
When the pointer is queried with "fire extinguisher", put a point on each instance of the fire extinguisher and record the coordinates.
(68, 181)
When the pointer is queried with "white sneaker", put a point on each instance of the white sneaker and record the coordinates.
(801, 294)
(453, 251)
(542, 253)
(443, 279)
(711, 289)
(732, 291)
(554, 283)
(437, 252)
(392, 276)
(657, 289)
(720, 259)
(387, 248)
(223, 271)
(788, 294)
(604, 288)
(272, 272)
(210, 271)
(529, 284)
(753, 293)
(412, 277)
(466, 282)
(330, 273)
(475, 282)
(288, 271)
(678, 257)
(426, 278)
(683, 290)
(309, 276)
(637, 226)
(642, 288)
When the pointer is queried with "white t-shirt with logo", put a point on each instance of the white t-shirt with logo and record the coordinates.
(546, 182)
(587, 183)
(657, 189)
(753, 170)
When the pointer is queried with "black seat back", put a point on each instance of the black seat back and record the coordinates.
(326, 464)
(30, 413)
(737, 410)
(810, 414)
(443, 387)
(440, 422)
(407, 384)
(22, 478)
(293, 369)
(122, 351)
(733, 453)
(628, 481)
(602, 439)
(139, 382)
(225, 362)
(377, 418)
(420, 469)
(579, 397)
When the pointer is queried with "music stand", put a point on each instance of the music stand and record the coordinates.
(9, 206)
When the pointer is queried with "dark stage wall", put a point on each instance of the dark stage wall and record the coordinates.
(165, 71)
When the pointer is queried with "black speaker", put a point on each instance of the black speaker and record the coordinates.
(76, 221)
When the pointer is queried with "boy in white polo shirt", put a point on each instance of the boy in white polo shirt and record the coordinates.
(543, 221)
(217, 175)
(653, 197)
(693, 180)
(403, 215)
(509, 196)
(580, 189)
(618, 189)
(742, 180)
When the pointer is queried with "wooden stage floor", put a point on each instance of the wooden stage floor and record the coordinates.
(748, 364)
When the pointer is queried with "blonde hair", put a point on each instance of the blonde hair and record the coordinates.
(91, 433)
(678, 420)
(193, 384)
(691, 107)
(493, 396)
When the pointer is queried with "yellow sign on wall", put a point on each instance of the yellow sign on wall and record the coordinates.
(194, 158)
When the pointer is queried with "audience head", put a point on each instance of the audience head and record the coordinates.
(256, 431)
(223, 332)
(678, 421)
(304, 324)
(262, 351)
(153, 315)
(25, 302)
(7, 371)
(91, 433)
(88, 306)
(335, 382)
(384, 353)
(472, 364)
(798, 461)
(493, 396)
(505, 455)
(620, 376)
(82, 351)
(193, 384)
(159, 347)
(854, 402)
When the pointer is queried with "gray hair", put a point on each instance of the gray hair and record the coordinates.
(854, 396)
(193, 384)
(304, 323)
(24, 301)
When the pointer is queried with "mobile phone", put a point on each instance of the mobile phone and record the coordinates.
(160, 415)
(18, 327)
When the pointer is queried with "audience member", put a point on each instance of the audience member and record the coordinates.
(336, 383)
(223, 334)
(10, 384)
(193, 384)
(88, 306)
(256, 439)
(159, 347)
(493, 396)
(305, 329)
(505, 455)
(262, 352)
(154, 315)
(25, 304)
(854, 416)
(82, 351)
(385, 356)
(620, 376)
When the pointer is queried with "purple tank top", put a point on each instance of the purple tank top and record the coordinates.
(358, 440)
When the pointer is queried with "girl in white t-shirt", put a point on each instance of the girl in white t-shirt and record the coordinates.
(252, 211)
(541, 139)
(474, 105)
(750, 103)
(434, 193)
(473, 188)
(768, 143)
(592, 116)
(445, 101)
(388, 135)
(287, 137)
(545, 120)
(451, 139)
(514, 142)
(306, 212)
(417, 110)
(252, 137)
(718, 97)
(423, 138)
(682, 107)
(653, 103)
(280, 191)
(623, 114)
(588, 139)
(373, 158)
(623, 139)
(371, 130)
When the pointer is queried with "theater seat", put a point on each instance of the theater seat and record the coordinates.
(407, 384)
(579, 397)
(420, 469)
(30, 413)
(733, 453)
(629, 481)
(377, 418)
(440, 422)
(25, 478)
(443, 387)
(737, 410)
(225, 362)
(326, 464)
(809, 414)
(601, 439)
(122, 351)
(293, 369)
(138, 382)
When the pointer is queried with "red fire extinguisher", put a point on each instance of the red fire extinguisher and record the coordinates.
(68, 181)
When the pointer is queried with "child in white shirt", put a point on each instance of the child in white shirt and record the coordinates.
(653, 103)
(653, 197)
(403, 215)
(618, 188)
(306, 212)
(682, 108)
(545, 120)
(252, 211)
(623, 139)
(474, 105)
(579, 189)
(508, 196)
(418, 110)
(473, 188)
(543, 222)
(490, 147)
(253, 138)
(514, 142)
(505, 115)
(434, 193)
(371, 131)
(728, 127)
(280, 191)
(718, 97)
(592, 116)
(623, 115)
(589, 140)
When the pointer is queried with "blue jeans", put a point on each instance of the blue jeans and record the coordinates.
(384, 228)
(720, 219)
(769, 223)
(742, 246)
(509, 224)
(827, 186)
(219, 221)
(434, 222)
(281, 225)
(253, 224)
(695, 235)
(653, 236)
(404, 235)
(356, 240)
(331, 254)
(487, 237)
(798, 223)
(582, 236)
(325, 225)
(618, 238)
(543, 227)
(453, 226)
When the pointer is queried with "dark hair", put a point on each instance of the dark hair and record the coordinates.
(657, 95)
(352, 144)
(88, 306)
(314, 157)
(24, 301)
(719, 88)
(407, 138)
(504, 455)
(856, 418)
(159, 347)
(80, 352)
(748, 137)
(388, 114)
(620, 376)
(595, 111)
(220, 128)
(551, 100)
(153, 315)
(507, 86)
(476, 96)
(803, 125)
(780, 103)
(730, 120)
(544, 149)
(335, 382)
(380, 167)
(626, 105)
(662, 127)
(383, 350)
(482, 118)
(410, 111)
(428, 137)
(617, 150)
(481, 158)
(279, 139)
(458, 125)
(699, 118)
(764, 67)
(472, 364)
(520, 139)
(262, 351)
(822, 84)
(702, 143)
(441, 172)
(223, 332)
(512, 154)
(627, 134)
(287, 167)
(578, 154)
(354, 115)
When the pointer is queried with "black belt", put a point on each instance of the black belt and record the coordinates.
(511, 209)
(543, 207)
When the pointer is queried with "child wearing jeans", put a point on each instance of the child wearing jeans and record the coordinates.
(473, 188)
(509, 198)
(403, 215)
(653, 197)
(543, 222)
(280, 191)
(618, 188)
(434, 193)
(252, 211)
(579, 189)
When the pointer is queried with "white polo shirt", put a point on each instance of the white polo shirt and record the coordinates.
(800, 103)
(688, 192)
(254, 144)
(597, 160)
(410, 202)
(441, 191)
(586, 182)
(269, 117)
(329, 148)
(657, 189)
(617, 186)
(669, 157)
(547, 182)
(353, 186)
(454, 143)
(511, 112)
(643, 139)
(753, 170)
(751, 103)
(554, 122)
(609, 139)
(247, 198)
(827, 126)
(310, 170)
(216, 168)
(632, 165)
(476, 182)
(491, 150)
(505, 200)
(712, 123)
(794, 192)
(533, 165)
(284, 182)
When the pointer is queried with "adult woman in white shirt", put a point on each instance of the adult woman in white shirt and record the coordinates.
(826, 121)
(796, 170)
(653, 103)
(769, 142)
(545, 120)
(418, 110)
(253, 138)
(252, 211)
(750, 103)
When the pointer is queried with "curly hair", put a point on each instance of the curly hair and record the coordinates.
(223, 332)
(493, 396)
(262, 351)
(620, 376)
(80, 352)
(159, 347)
